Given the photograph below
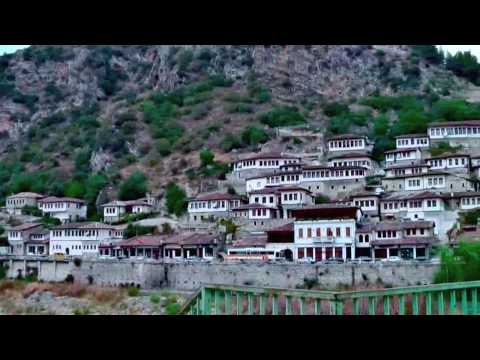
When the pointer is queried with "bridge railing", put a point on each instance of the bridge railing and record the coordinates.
(441, 299)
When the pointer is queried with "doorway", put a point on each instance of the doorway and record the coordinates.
(288, 254)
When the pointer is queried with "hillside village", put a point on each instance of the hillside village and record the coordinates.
(340, 205)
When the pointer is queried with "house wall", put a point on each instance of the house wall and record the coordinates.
(14, 206)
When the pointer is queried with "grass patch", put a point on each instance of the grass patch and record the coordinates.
(133, 291)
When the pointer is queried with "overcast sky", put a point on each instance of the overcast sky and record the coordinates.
(475, 49)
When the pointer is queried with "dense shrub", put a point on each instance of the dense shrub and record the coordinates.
(429, 52)
(455, 110)
(464, 64)
(230, 142)
(176, 199)
(253, 136)
(135, 187)
(459, 264)
(282, 116)
(335, 109)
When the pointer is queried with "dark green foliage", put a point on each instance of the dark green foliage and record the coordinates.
(53, 120)
(135, 187)
(253, 136)
(384, 103)
(54, 92)
(138, 230)
(258, 94)
(164, 147)
(429, 52)
(321, 199)
(239, 108)
(230, 142)
(339, 125)
(176, 199)
(184, 58)
(442, 148)
(464, 64)
(44, 54)
(282, 116)
(109, 82)
(207, 157)
(28, 100)
(471, 217)
(411, 122)
(335, 109)
(459, 264)
(31, 211)
(455, 110)
(7, 89)
(3, 272)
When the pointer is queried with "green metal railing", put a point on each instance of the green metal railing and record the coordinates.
(441, 299)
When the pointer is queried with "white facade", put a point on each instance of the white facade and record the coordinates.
(406, 142)
(469, 202)
(414, 208)
(263, 163)
(15, 203)
(406, 170)
(454, 130)
(402, 155)
(82, 239)
(63, 209)
(347, 144)
(324, 235)
(351, 161)
(366, 203)
(213, 206)
(450, 162)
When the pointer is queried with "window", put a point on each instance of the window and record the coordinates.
(348, 232)
(338, 234)
(300, 233)
(319, 233)
(309, 233)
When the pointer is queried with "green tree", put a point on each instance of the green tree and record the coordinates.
(254, 136)
(134, 187)
(176, 199)
(465, 65)
(207, 157)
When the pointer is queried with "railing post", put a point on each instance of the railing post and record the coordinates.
(262, 305)
(428, 303)
(453, 302)
(372, 306)
(274, 304)
(464, 302)
(217, 301)
(206, 301)
(386, 305)
(239, 303)
(288, 305)
(318, 308)
(474, 301)
(415, 309)
(441, 304)
(401, 305)
(250, 304)
(228, 302)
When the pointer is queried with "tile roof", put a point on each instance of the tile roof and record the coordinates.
(333, 168)
(279, 173)
(326, 211)
(268, 155)
(25, 227)
(250, 241)
(87, 226)
(216, 196)
(455, 123)
(346, 137)
(27, 195)
(278, 189)
(253, 206)
(406, 241)
(350, 155)
(191, 239)
(53, 199)
(402, 225)
(448, 155)
(411, 136)
(144, 240)
(401, 150)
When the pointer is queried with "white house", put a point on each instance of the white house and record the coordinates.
(402, 170)
(325, 231)
(412, 141)
(64, 209)
(351, 159)
(403, 156)
(262, 162)
(368, 202)
(454, 130)
(79, 239)
(115, 210)
(15, 203)
(216, 205)
(453, 162)
(19, 237)
(413, 206)
(347, 142)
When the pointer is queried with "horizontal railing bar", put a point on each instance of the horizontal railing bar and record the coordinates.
(323, 295)
(407, 290)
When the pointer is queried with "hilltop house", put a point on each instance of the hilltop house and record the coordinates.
(412, 141)
(450, 162)
(212, 206)
(454, 130)
(79, 239)
(403, 156)
(28, 239)
(15, 203)
(356, 159)
(64, 209)
(259, 163)
(347, 142)
(114, 211)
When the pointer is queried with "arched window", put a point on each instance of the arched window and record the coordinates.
(367, 238)
(360, 238)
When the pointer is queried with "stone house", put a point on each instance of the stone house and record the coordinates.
(64, 209)
(28, 239)
(15, 203)
(114, 211)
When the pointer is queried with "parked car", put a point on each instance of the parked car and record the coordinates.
(421, 258)
(308, 260)
(363, 259)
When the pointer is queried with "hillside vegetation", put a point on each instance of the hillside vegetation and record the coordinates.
(79, 119)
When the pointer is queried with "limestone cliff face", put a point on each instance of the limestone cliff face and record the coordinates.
(291, 72)
(42, 81)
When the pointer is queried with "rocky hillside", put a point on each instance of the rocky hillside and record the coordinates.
(70, 111)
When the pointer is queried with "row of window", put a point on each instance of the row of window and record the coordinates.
(399, 172)
(346, 143)
(450, 162)
(365, 203)
(413, 204)
(352, 163)
(455, 131)
(213, 204)
(318, 232)
(60, 205)
(471, 201)
(332, 173)
(401, 155)
(16, 202)
(412, 141)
